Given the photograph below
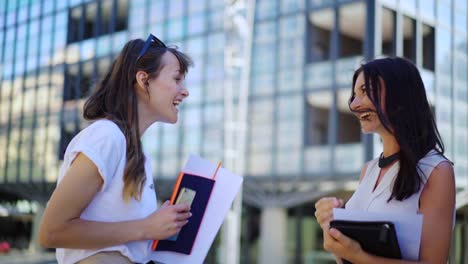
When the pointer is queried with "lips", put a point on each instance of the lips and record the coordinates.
(176, 103)
(365, 116)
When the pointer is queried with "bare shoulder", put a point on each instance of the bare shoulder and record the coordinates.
(443, 173)
(440, 186)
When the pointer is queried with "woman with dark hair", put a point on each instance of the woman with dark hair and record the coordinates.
(412, 174)
(104, 208)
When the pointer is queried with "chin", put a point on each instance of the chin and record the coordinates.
(172, 120)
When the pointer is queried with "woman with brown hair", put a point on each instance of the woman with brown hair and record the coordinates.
(104, 205)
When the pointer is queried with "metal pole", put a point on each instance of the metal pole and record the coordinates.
(238, 25)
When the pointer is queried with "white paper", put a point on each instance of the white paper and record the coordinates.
(224, 191)
(407, 226)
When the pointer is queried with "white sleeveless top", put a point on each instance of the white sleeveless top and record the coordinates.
(365, 199)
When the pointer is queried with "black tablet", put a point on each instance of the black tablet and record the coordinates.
(378, 238)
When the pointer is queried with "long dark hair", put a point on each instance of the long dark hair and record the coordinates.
(115, 99)
(407, 115)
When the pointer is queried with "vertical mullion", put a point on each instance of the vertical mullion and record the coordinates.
(334, 54)
(369, 53)
(36, 88)
(10, 108)
(2, 58)
(275, 96)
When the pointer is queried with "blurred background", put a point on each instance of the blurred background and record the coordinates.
(268, 96)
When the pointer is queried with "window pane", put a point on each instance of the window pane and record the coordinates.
(409, 43)
(428, 47)
(352, 34)
(388, 32)
(320, 25)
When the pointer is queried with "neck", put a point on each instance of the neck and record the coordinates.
(144, 119)
(390, 144)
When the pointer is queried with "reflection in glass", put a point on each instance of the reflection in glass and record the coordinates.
(317, 159)
(290, 6)
(288, 162)
(176, 8)
(290, 79)
(176, 28)
(318, 3)
(259, 164)
(352, 34)
(409, 38)
(196, 24)
(317, 114)
(263, 59)
(266, 9)
(428, 47)
(388, 32)
(215, 19)
(320, 25)
(319, 75)
(289, 134)
(291, 52)
(444, 12)
(427, 8)
(196, 6)
(265, 32)
(409, 5)
(262, 84)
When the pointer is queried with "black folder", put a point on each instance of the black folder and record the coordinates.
(187, 235)
(378, 238)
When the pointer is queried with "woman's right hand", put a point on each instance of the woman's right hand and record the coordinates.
(324, 210)
(166, 221)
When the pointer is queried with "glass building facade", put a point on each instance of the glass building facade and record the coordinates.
(302, 140)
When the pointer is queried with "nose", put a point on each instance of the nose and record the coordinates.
(355, 103)
(184, 92)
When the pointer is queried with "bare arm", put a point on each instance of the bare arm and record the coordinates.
(61, 225)
(437, 203)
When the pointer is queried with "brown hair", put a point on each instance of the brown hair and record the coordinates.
(115, 99)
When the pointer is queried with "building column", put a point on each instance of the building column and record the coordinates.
(273, 236)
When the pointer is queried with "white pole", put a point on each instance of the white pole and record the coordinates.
(239, 17)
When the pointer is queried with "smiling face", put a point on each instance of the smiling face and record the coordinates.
(160, 99)
(364, 109)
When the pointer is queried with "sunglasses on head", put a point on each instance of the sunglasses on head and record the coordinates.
(151, 39)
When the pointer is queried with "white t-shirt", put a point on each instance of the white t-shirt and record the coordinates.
(104, 144)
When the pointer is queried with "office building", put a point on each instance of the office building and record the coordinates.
(302, 142)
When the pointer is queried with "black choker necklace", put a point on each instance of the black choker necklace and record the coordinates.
(384, 162)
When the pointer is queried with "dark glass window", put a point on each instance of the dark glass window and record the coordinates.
(409, 43)
(97, 19)
(320, 26)
(349, 130)
(388, 32)
(316, 125)
(77, 81)
(65, 138)
(428, 47)
(352, 34)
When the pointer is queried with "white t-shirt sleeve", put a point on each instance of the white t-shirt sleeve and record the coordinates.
(104, 144)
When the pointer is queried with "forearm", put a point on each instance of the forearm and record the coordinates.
(366, 258)
(83, 234)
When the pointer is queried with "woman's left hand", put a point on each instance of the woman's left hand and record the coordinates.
(340, 245)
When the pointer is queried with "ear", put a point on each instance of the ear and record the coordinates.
(142, 79)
